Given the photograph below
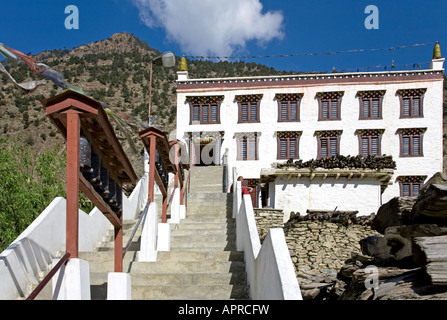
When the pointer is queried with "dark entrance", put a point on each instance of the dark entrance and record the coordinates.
(254, 184)
(204, 153)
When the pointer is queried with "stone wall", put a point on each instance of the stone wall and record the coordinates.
(319, 242)
(266, 219)
(323, 246)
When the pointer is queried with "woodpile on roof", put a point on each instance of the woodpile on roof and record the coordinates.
(342, 162)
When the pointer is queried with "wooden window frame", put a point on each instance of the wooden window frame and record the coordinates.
(250, 101)
(411, 95)
(411, 186)
(249, 113)
(246, 140)
(202, 103)
(411, 134)
(328, 136)
(289, 98)
(411, 182)
(201, 113)
(330, 98)
(369, 134)
(370, 97)
(288, 137)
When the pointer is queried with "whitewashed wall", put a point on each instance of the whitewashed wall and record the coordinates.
(343, 194)
(24, 262)
(349, 123)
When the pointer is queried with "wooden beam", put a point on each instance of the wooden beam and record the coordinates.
(73, 173)
(98, 201)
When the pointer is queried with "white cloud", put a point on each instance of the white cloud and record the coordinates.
(212, 27)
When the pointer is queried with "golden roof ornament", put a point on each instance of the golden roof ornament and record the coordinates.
(437, 51)
(183, 65)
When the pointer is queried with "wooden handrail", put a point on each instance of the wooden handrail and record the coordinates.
(186, 189)
(171, 197)
(50, 275)
(106, 167)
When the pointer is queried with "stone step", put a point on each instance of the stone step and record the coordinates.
(201, 239)
(190, 292)
(224, 245)
(198, 205)
(222, 256)
(203, 232)
(206, 186)
(105, 256)
(203, 225)
(207, 196)
(207, 215)
(210, 169)
(174, 279)
(109, 245)
(192, 207)
(187, 267)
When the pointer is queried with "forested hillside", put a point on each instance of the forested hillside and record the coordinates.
(114, 71)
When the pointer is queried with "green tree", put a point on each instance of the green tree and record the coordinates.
(27, 187)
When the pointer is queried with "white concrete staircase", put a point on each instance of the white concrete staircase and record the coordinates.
(203, 262)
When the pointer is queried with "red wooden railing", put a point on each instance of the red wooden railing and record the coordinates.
(77, 116)
(50, 275)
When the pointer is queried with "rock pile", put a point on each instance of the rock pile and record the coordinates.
(409, 259)
(319, 244)
(397, 254)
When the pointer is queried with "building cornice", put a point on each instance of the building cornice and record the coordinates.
(309, 79)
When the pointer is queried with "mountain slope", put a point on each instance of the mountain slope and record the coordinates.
(114, 71)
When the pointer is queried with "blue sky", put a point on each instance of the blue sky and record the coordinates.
(241, 28)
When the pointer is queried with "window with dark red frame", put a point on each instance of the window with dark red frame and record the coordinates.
(205, 110)
(411, 142)
(411, 103)
(288, 144)
(370, 104)
(370, 142)
(410, 185)
(247, 146)
(289, 106)
(249, 108)
(328, 143)
(329, 105)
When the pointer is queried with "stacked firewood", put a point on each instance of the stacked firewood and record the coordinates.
(344, 218)
(342, 162)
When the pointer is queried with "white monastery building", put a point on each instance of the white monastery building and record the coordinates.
(255, 123)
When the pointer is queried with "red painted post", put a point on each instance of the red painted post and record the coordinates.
(119, 246)
(165, 209)
(151, 168)
(73, 152)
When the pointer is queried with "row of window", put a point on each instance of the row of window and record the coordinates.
(206, 110)
(329, 144)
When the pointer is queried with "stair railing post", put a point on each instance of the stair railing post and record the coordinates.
(151, 168)
(73, 153)
(119, 245)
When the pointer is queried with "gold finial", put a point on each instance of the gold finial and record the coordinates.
(183, 65)
(437, 51)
